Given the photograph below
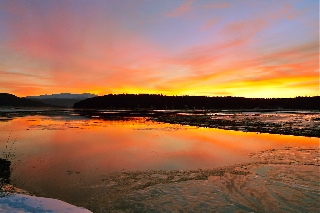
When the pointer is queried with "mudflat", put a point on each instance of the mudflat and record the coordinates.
(280, 180)
(298, 123)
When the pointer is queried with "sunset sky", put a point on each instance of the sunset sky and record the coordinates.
(248, 48)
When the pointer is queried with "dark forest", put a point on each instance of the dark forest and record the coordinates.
(146, 101)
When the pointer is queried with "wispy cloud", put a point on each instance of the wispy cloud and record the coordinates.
(234, 47)
(210, 23)
(183, 8)
(216, 5)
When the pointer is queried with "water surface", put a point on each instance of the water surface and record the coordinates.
(65, 156)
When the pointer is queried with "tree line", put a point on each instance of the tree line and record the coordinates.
(154, 101)
(9, 100)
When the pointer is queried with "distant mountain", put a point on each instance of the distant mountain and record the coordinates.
(9, 100)
(63, 96)
(146, 101)
(62, 99)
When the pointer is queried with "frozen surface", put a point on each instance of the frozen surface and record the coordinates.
(20, 203)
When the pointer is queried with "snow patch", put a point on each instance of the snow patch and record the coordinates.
(20, 203)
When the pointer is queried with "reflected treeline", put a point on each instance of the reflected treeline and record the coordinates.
(146, 101)
(9, 114)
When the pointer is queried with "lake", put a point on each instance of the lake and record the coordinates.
(66, 156)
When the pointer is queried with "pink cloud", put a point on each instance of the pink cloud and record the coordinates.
(77, 54)
(65, 51)
(184, 7)
(210, 23)
(215, 5)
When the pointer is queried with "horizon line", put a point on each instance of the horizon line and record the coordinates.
(162, 95)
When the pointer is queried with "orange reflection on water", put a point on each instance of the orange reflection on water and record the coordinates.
(138, 144)
(74, 151)
(87, 144)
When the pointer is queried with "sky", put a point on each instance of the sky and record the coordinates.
(246, 48)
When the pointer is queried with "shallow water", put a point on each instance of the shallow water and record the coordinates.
(66, 156)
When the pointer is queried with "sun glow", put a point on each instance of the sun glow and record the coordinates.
(180, 48)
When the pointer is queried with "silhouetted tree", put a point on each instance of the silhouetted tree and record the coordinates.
(146, 101)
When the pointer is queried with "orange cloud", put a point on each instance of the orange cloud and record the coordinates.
(218, 53)
(78, 54)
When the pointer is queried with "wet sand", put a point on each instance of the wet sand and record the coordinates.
(281, 180)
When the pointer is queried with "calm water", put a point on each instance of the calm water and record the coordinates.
(64, 156)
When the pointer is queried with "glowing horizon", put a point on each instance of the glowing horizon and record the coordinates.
(254, 49)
